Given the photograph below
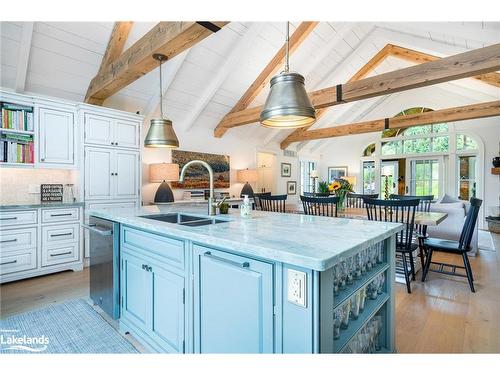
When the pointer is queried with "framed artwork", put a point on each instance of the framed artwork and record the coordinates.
(197, 176)
(286, 170)
(291, 187)
(336, 172)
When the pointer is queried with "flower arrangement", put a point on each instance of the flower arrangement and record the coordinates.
(340, 187)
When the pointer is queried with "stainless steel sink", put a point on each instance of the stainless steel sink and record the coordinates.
(183, 219)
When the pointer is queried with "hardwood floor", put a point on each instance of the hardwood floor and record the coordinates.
(440, 316)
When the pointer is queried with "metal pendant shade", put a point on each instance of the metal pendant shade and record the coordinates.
(161, 132)
(287, 105)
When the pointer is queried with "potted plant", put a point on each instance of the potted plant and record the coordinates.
(323, 187)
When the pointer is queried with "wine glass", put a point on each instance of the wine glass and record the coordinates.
(346, 309)
(362, 298)
(337, 318)
(343, 275)
(381, 283)
(357, 268)
(350, 270)
(336, 279)
(355, 306)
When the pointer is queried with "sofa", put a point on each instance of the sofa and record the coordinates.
(451, 227)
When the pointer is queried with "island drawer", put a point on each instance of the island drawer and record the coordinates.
(64, 253)
(15, 239)
(18, 261)
(169, 249)
(60, 233)
(60, 214)
(9, 218)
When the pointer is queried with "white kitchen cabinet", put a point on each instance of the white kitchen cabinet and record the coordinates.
(111, 174)
(109, 131)
(56, 138)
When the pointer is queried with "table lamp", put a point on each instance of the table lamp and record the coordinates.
(314, 175)
(163, 172)
(246, 176)
(386, 173)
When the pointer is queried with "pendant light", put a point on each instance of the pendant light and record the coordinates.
(161, 132)
(287, 105)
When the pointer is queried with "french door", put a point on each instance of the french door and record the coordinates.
(424, 176)
(391, 169)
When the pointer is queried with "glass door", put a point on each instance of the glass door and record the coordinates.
(424, 176)
(389, 168)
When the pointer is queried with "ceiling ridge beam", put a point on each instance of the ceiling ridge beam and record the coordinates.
(467, 112)
(23, 56)
(463, 65)
(366, 69)
(299, 35)
(223, 72)
(168, 38)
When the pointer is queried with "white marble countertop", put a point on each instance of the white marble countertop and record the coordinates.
(27, 206)
(312, 242)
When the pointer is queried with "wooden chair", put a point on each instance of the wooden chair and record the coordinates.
(256, 199)
(320, 206)
(356, 200)
(460, 247)
(273, 203)
(398, 211)
(420, 230)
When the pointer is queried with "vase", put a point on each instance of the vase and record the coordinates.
(341, 204)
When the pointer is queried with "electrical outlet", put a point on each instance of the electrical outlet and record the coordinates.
(34, 189)
(297, 287)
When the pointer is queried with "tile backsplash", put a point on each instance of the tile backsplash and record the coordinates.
(15, 183)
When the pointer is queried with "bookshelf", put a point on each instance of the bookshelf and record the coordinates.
(17, 134)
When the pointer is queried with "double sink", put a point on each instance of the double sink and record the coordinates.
(184, 219)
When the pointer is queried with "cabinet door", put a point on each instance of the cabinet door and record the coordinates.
(126, 133)
(98, 130)
(126, 178)
(168, 309)
(98, 169)
(136, 291)
(233, 303)
(57, 136)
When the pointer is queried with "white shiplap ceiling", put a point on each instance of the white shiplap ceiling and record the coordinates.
(202, 84)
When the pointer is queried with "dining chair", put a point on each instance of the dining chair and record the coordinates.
(273, 203)
(320, 206)
(355, 200)
(397, 211)
(460, 247)
(256, 199)
(420, 230)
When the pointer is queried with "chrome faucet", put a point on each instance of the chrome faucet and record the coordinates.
(212, 205)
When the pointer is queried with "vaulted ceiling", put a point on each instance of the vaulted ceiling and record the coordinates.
(202, 84)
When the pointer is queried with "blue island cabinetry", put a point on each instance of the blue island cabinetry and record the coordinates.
(180, 296)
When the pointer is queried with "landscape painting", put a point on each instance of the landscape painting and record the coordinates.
(197, 175)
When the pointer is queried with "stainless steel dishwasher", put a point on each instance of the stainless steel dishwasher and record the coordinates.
(105, 265)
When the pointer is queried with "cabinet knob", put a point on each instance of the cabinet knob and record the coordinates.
(116, 143)
(112, 143)
(42, 159)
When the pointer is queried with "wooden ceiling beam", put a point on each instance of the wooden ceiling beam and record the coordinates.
(360, 74)
(117, 40)
(463, 65)
(299, 35)
(467, 112)
(420, 57)
(168, 38)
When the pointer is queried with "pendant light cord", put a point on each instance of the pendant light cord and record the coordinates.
(161, 93)
(287, 47)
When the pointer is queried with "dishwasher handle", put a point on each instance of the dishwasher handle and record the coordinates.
(93, 228)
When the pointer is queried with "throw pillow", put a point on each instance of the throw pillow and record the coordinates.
(449, 199)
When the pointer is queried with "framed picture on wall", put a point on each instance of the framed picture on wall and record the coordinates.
(336, 172)
(291, 187)
(286, 170)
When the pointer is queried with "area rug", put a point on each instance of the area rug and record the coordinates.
(485, 241)
(71, 327)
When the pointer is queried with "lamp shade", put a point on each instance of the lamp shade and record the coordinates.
(160, 172)
(386, 171)
(287, 105)
(314, 174)
(161, 134)
(246, 175)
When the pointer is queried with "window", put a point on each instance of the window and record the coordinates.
(369, 150)
(306, 182)
(424, 177)
(466, 177)
(465, 142)
(368, 177)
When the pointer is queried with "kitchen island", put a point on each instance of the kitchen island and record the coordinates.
(272, 283)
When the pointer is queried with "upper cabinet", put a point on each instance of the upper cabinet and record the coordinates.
(56, 138)
(109, 131)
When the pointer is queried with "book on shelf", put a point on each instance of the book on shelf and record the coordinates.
(14, 151)
(16, 117)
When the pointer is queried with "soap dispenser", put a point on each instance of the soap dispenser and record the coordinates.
(246, 207)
